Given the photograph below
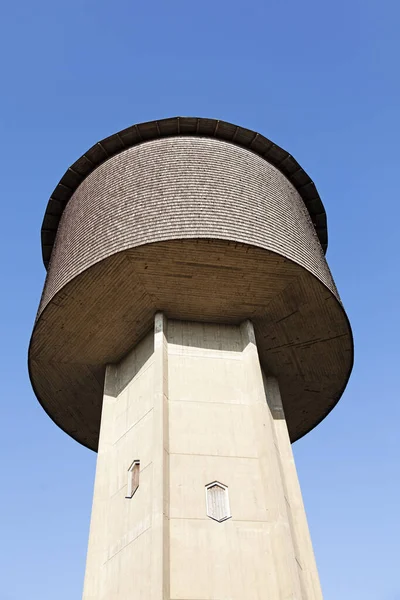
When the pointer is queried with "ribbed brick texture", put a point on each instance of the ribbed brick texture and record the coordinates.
(182, 187)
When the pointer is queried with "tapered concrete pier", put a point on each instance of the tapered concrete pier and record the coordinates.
(189, 331)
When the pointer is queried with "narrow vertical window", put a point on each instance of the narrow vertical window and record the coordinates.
(217, 501)
(133, 478)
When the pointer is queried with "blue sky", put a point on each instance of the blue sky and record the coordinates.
(320, 79)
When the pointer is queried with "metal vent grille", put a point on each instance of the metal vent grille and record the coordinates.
(217, 501)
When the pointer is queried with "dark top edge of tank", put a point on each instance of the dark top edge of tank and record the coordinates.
(184, 126)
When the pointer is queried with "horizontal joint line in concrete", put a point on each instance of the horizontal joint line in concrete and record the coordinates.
(231, 519)
(235, 355)
(212, 402)
(132, 426)
(128, 544)
(210, 455)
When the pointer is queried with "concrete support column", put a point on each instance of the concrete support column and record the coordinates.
(286, 575)
(126, 554)
(100, 514)
(160, 510)
(215, 511)
(308, 573)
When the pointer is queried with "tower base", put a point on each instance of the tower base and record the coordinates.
(196, 493)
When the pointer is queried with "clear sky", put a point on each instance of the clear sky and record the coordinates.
(321, 79)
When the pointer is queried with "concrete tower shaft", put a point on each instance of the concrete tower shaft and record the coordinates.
(220, 234)
(218, 511)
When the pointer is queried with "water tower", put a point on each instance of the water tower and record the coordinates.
(189, 330)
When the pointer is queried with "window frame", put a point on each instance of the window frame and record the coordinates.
(133, 479)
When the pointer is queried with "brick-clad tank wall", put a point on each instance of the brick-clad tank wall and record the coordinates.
(182, 187)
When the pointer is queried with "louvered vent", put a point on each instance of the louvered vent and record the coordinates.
(217, 501)
(133, 478)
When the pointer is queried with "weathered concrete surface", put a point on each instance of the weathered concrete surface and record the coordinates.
(191, 403)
